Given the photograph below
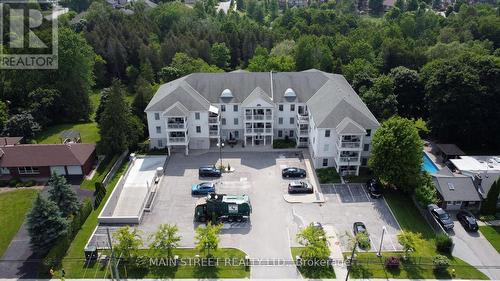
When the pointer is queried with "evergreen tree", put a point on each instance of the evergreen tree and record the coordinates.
(490, 204)
(143, 93)
(376, 6)
(240, 5)
(45, 224)
(61, 193)
(220, 55)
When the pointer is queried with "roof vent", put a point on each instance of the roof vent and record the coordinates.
(226, 94)
(289, 93)
(451, 186)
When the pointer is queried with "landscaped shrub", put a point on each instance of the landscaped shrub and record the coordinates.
(13, 182)
(286, 143)
(441, 263)
(444, 244)
(4, 183)
(30, 183)
(328, 175)
(100, 193)
(392, 262)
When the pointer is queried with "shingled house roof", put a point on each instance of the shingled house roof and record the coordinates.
(42, 155)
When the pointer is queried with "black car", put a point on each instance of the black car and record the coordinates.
(373, 188)
(359, 227)
(467, 220)
(300, 187)
(441, 216)
(293, 172)
(209, 171)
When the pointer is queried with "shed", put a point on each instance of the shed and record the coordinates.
(70, 136)
(448, 151)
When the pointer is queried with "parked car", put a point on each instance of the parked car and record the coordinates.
(209, 171)
(317, 225)
(300, 187)
(441, 216)
(293, 172)
(467, 220)
(373, 187)
(359, 227)
(203, 188)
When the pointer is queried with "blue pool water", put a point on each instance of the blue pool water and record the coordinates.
(428, 165)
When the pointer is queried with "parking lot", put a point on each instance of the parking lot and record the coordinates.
(274, 222)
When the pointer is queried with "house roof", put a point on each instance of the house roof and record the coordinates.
(456, 188)
(450, 149)
(177, 109)
(10, 140)
(69, 134)
(329, 97)
(349, 127)
(42, 155)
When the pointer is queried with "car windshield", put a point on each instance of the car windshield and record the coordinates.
(360, 228)
(205, 185)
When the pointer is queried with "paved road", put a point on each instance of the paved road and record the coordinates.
(476, 250)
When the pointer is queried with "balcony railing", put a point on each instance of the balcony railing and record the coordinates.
(213, 133)
(303, 132)
(349, 160)
(176, 125)
(177, 139)
(213, 120)
(302, 117)
(258, 130)
(258, 117)
(350, 144)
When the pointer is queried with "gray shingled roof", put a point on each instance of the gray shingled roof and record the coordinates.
(463, 188)
(329, 97)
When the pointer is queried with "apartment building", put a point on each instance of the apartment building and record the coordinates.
(319, 110)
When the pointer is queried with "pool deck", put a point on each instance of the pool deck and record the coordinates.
(428, 151)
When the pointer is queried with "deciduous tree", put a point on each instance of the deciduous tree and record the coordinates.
(165, 239)
(127, 242)
(207, 238)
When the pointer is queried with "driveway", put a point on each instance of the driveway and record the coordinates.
(475, 249)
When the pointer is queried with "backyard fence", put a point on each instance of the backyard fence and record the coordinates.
(438, 229)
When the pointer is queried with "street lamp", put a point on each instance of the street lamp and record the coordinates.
(220, 144)
(384, 229)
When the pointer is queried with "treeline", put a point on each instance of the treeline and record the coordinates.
(410, 62)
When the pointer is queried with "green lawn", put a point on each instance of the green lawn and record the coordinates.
(73, 261)
(420, 265)
(492, 233)
(328, 175)
(313, 272)
(88, 132)
(364, 175)
(14, 206)
(101, 172)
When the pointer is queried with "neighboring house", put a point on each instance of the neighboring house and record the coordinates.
(41, 160)
(484, 170)
(456, 191)
(319, 110)
(447, 151)
(388, 4)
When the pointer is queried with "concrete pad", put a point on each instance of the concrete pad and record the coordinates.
(135, 188)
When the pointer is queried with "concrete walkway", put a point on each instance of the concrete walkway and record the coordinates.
(335, 252)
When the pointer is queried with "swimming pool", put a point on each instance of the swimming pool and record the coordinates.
(428, 165)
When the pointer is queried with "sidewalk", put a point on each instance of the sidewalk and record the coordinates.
(335, 252)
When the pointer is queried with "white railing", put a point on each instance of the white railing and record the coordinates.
(258, 130)
(177, 139)
(213, 120)
(269, 130)
(269, 117)
(351, 144)
(176, 125)
(302, 118)
(213, 133)
(258, 117)
(303, 132)
(351, 160)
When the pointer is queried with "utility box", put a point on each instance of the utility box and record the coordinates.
(91, 253)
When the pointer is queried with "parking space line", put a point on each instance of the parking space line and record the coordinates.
(337, 194)
(352, 196)
(366, 193)
(392, 243)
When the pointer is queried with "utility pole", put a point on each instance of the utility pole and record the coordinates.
(379, 254)
(352, 256)
(114, 265)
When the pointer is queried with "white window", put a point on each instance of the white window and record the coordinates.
(223, 120)
(160, 143)
(292, 107)
(280, 120)
(158, 129)
(326, 147)
(223, 107)
(235, 108)
(235, 121)
(325, 162)
(197, 115)
(74, 170)
(327, 133)
(157, 116)
(28, 170)
(292, 120)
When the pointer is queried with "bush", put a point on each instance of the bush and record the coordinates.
(444, 244)
(4, 183)
(328, 175)
(13, 182)
(440, 263)
(392, 262)
(30, 183)
(286, 143)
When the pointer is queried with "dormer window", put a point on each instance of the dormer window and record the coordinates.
(226, 94)
(289, 93)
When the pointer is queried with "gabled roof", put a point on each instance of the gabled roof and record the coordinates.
(456, 188)
(177, 109)
(177, 91)
(42, 155)
(255, 95)
(348, 127)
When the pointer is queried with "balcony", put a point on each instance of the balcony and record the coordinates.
(177, 140)
(258, 130)
(354, 160)
(258, 117)
(302, 118)
(213, 120)
(350, 144)
(176, 126)
(213, 133)
(302, 132)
